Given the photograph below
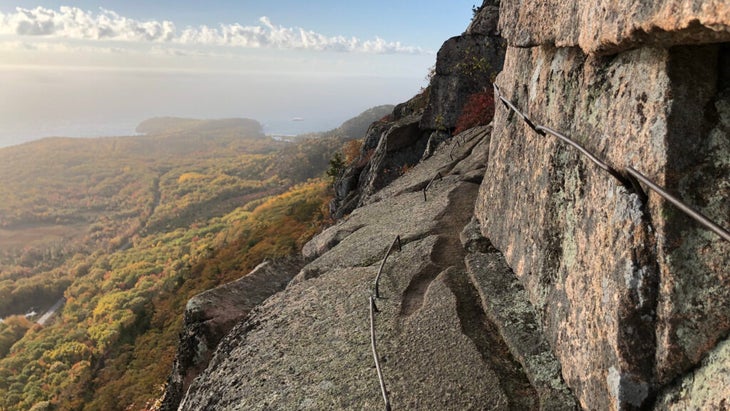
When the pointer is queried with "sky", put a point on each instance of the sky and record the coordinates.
(89, 68)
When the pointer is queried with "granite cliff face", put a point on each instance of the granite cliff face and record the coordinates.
(528, 278)
(630, 292)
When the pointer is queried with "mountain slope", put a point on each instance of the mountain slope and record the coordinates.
(122, 232)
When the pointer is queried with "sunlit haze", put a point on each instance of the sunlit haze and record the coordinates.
(88, 68)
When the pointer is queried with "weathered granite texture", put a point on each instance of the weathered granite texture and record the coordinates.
(308, 347)
(209, 316)
(507, 306)
(486, 20)
(624, 307)
(610, 26)
(401, 214)
(707, 388)
(694, 295)
(401, 145)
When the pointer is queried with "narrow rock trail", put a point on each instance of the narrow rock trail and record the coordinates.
(448, 260)
(308, 347)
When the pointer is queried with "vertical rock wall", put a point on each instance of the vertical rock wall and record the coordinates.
(631, 293)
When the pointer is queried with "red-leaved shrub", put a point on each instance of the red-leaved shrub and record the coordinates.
(478, 111)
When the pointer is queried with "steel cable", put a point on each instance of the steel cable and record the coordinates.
(628, 177)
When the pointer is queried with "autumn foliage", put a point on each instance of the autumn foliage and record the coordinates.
(126, 230)
(478, 111)
(351, 150)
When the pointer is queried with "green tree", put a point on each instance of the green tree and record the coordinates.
(337, 163)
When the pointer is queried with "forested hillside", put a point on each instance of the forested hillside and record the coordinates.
(124, 231)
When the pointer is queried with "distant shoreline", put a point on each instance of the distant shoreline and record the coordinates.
(275, 128)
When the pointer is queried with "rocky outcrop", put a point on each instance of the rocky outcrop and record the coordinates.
(626, 290)
(401, 146)
(387, 148)
(486, 19)
(465, 65)
(209, 316)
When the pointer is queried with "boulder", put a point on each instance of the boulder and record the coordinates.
(209, 316)
(329, 238)
(387, 147)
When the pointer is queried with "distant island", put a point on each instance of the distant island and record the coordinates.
(168, 125)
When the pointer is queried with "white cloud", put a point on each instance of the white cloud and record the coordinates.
(107, 25)
(58, 47)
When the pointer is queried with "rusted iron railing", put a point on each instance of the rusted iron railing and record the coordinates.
(628, 177)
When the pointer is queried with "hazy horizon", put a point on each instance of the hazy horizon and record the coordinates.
(87, 70)
(325, 105)
(107, 101)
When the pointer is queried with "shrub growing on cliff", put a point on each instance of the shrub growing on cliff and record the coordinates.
(337, 164)
(478, 111)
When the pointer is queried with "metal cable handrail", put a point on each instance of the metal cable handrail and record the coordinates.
(373, 309)
(594, 159)
(376, 290)
(451, 152)
(375, 353)
(438, 174)
(699, 217)
(580, 148)
(628, 177)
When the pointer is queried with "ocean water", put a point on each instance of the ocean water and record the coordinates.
(275, 127)
(76, 103)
